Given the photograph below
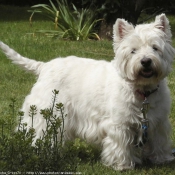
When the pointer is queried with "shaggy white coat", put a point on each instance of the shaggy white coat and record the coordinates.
(101, 98)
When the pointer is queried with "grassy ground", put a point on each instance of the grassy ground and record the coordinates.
(16, 31)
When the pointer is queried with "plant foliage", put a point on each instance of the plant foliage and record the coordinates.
(72, 23)
(19, 152)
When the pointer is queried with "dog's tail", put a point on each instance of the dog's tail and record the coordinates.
(26, 63)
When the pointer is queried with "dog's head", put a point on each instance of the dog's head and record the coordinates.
(143, 54)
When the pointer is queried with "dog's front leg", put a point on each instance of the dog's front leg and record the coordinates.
(118, 148)
(158, 149)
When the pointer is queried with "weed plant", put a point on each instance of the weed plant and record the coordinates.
(19, 152)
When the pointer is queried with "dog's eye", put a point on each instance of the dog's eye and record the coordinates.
(155, 48)
(133, 51)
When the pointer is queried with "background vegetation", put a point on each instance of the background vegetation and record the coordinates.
(73, 24)
(105, 10)
(109, 9)
(17, 32)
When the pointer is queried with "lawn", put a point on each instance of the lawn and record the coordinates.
(18, 33)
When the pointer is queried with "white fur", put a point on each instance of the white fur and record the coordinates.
(101, 99)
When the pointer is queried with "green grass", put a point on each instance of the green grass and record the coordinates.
(16, 31)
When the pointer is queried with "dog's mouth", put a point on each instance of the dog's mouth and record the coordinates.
(147, 73)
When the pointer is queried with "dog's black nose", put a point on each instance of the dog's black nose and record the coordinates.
(146, 62)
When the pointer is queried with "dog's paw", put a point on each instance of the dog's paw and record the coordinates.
(161, 159)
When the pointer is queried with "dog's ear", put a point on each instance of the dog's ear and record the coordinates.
(162, 23)
(120, 29)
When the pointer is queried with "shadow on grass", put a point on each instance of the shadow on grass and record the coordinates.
(147, 165)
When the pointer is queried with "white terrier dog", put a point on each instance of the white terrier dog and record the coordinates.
(103, 100)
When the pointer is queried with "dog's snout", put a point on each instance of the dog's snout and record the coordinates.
(146, 62)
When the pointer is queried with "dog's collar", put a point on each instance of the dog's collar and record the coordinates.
(146, 94)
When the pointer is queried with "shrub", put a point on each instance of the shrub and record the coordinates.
(18, 152)
(73, 24)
